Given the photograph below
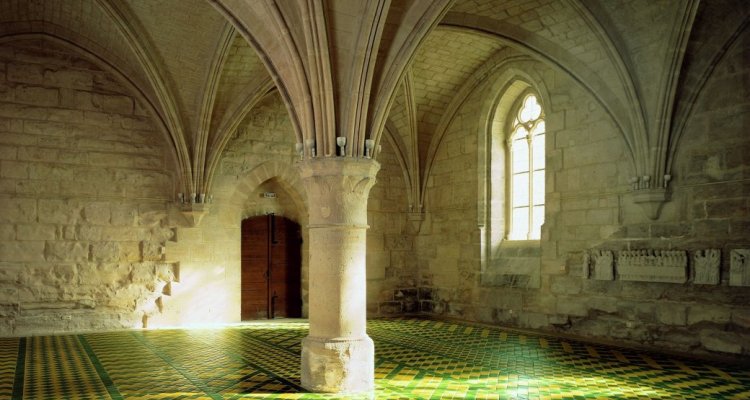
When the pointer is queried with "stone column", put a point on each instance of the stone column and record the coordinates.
(337, 355)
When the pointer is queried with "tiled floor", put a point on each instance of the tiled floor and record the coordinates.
(415, 359)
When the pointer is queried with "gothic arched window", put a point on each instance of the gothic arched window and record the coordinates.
(526, 167)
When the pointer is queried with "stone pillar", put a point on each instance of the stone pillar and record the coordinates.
(337, 355)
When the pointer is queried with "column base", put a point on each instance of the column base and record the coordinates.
(338, 365)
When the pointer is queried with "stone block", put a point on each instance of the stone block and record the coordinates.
(571, 306)
(726, 208)
(14, 169)
(510, 280)
(103, 275)
(7, 232)
(706, 264)
(87, 232)
(76, 99)
(607, 305)
(390, 308)
(54, 276)
(500, 299)
(166, 272)
(96, 213)
(642, 291)
(68, 78)
(426, 306)
(113, 103)
(17, 210)
(22, 251)
(124, 160)
(670, 230)
(58, 212)
(123, 214)
(105, 251)
(680, 338)
(741, 318)
(399, 242)
(6, 92)
(600, 217)
(36, 95)
(411, 306)
(25, 73)
(720, 191)
(66, 251)
(63, 115)
(721, 341)
(425, 293)
(708, 313)
(711, 228)
(533, 320)
(36, 232)
(47, 128)
(559, 320)
(740, 227)
(739, 267)
(130, 251)
(21, 112)
(565, 285)
(153, 214)
(144, 124)
(671, 314)
(41, 154)
(69, 233)
(8, 152)
(152, 251)
(10, 273)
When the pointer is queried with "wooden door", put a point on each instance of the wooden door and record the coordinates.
(271, 282)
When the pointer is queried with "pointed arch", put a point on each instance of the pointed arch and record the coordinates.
(164, 93)
(631, 127)
(237, 112)
(411, 181)
(121, 77)
(211, 86)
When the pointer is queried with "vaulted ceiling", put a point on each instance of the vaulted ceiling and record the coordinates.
(200, 66)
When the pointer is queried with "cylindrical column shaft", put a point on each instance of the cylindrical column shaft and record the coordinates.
(337, 356)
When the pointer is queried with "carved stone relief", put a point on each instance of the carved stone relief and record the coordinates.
(706, 265)
(599, 265)
(653, 266)
(586, 267)
(604, 265)
(739, 267)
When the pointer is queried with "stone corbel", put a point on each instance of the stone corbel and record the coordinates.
(650, 194)
(193, 207)
(415, 221)
(651, 201)
(194, 212)
(416, 216)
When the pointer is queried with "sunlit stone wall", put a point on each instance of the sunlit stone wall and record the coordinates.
(84, 186)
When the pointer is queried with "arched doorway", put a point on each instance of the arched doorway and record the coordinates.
(271, 263)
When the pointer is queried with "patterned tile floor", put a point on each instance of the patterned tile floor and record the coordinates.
(415, 359)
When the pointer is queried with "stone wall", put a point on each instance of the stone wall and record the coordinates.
(84, 183)
(708, 210)
(391, 265)
(258, 158)
(448, 241)
(589, 207)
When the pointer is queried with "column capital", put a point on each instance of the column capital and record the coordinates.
(337, 189)
(338, 166)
